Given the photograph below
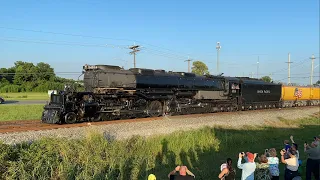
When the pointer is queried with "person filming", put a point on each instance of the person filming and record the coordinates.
(248, 167)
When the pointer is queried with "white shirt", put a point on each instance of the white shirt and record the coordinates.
(248, 169)
(292, 164)
(297, 154)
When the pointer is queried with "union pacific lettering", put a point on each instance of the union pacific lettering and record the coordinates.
(263, 91)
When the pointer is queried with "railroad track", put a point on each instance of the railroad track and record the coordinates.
(37, 125)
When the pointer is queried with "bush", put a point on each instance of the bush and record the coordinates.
(48, 86)
(28, 86)
(32, 87)
(11, 88)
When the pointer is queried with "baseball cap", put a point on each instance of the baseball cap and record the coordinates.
(250, 156)
(224, 165)
(152, 177)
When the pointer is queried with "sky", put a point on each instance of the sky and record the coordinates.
(69, 34)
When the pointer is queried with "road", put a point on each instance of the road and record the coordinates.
(26, 102)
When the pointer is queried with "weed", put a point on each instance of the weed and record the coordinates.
(20, 112)
(98, 156)
(25, 96)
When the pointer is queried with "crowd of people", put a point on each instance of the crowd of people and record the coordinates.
(267, 165)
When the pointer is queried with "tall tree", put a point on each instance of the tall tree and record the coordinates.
(44, 72)
(199, 68)
(266, 78)
(8, 74)
(25, 72)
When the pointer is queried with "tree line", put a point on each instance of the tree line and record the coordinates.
(200, 68)
(28, 77)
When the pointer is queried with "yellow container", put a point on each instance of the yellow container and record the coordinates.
(315, 93)
(292, 93)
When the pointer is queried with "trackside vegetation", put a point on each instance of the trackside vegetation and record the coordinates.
(28, 77)
(25, 96)
(10, 112)
(99, 156)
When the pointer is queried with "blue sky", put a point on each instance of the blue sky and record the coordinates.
(168, 31)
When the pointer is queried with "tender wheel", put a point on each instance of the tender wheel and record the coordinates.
(155, 109)
(70, 118)
(96, 118)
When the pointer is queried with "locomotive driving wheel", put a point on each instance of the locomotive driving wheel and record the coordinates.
(96, 118)
(155, 109)
(70, 118)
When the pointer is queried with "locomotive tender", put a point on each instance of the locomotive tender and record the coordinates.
(112, 92)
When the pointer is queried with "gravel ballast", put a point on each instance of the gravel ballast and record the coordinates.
(167, 125)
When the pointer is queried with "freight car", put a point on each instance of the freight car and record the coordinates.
(300, 96)
(113, 93)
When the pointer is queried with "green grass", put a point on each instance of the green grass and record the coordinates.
(9, 112)
(25, 96)
(100, 157)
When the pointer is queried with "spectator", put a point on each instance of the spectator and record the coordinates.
(292, 164)
(286, 145)
(152, 177)
(227, 172)
(317, 140)
(262, 171)
(184, 173)
(248, 167)
(313, 161)
(295, 146)
(273, 162)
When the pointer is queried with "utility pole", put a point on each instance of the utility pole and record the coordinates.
(188, 63)
(258, 68)
(135, 49)
(218, 47)
(251, 74)
(289, 62)
(311, 75)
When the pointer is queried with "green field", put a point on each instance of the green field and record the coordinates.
(25, 96)
(101, 157)
(9, 112)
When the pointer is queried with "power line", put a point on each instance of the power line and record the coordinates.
(166, 53)
(86, 36)
(163, 55)
(62, 43)
(88, 45)
(298, 64)
(65, 34)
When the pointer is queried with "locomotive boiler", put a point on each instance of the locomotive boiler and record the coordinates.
(112, 92)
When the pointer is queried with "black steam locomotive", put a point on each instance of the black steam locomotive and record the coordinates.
(112, 92)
